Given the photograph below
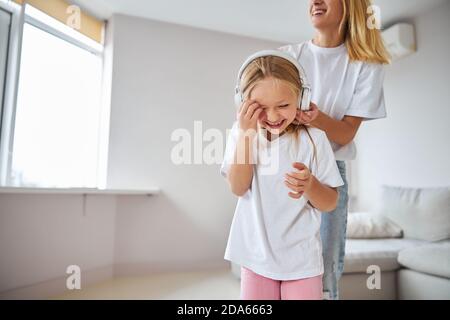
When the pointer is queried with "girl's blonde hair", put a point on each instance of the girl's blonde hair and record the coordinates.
(281, 71)
(363, 43)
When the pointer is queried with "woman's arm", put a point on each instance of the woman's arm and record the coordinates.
(342, 132)
(339, 131)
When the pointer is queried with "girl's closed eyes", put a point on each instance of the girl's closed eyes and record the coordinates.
(278, 100)
(279, 106)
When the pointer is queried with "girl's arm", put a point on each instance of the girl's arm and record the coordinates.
(302, 182)
(241, 171)
(322, 197)
(339, 131)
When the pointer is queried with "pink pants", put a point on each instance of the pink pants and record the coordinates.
(257, 287)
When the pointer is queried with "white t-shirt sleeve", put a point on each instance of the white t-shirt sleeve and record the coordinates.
(285, 48)
(293, 50)
(230, 149)
(325, 168)
(368, 98)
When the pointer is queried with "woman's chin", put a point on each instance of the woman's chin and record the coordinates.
(318, 23)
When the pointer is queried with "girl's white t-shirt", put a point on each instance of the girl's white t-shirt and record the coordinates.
(341, 87)
(273, 234)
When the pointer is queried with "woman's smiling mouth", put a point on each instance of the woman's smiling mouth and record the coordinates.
(318, 12)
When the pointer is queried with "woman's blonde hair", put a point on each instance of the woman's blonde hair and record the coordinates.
(363, 43)
(281, 71)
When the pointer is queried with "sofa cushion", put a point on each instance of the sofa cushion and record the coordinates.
(365, 225)
(360, 253)
(413, 285)
(422, 213)
(433, 258)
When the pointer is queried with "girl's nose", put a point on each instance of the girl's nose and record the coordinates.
(272, 115)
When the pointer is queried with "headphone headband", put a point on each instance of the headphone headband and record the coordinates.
(305, 94)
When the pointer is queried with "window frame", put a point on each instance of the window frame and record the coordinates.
(11, 88)
(3, 81)
(62, 35)
(18, 19)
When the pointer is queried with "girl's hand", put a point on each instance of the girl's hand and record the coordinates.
(299, 182)
(307, 117)
(248, 115)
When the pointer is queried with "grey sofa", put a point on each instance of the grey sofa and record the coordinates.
(410, 269)
(416, 266)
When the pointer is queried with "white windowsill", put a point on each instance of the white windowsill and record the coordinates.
(82, 191)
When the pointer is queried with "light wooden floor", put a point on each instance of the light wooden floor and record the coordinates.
(214, 284)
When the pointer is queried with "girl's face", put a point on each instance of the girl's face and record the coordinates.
(326, 14)
(279, 104)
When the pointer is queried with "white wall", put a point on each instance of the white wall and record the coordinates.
(165, 77)
(411, 147)
(41, 235)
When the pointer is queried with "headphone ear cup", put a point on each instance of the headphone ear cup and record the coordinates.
(300, 100)
(306, 99)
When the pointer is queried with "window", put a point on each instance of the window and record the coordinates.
(5, 23)
(56, 132)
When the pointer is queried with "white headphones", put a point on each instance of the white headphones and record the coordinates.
(304, 99)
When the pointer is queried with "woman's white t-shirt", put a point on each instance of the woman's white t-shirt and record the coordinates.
(341, 87)
(273, 234)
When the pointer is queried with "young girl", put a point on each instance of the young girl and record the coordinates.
(284, 175)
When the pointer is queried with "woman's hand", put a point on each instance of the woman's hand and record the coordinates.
(248, 115)
(307, 117)
(299, 182)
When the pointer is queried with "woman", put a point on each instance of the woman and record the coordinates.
(344, 63)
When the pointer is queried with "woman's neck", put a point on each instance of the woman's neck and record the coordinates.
(328, 39)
